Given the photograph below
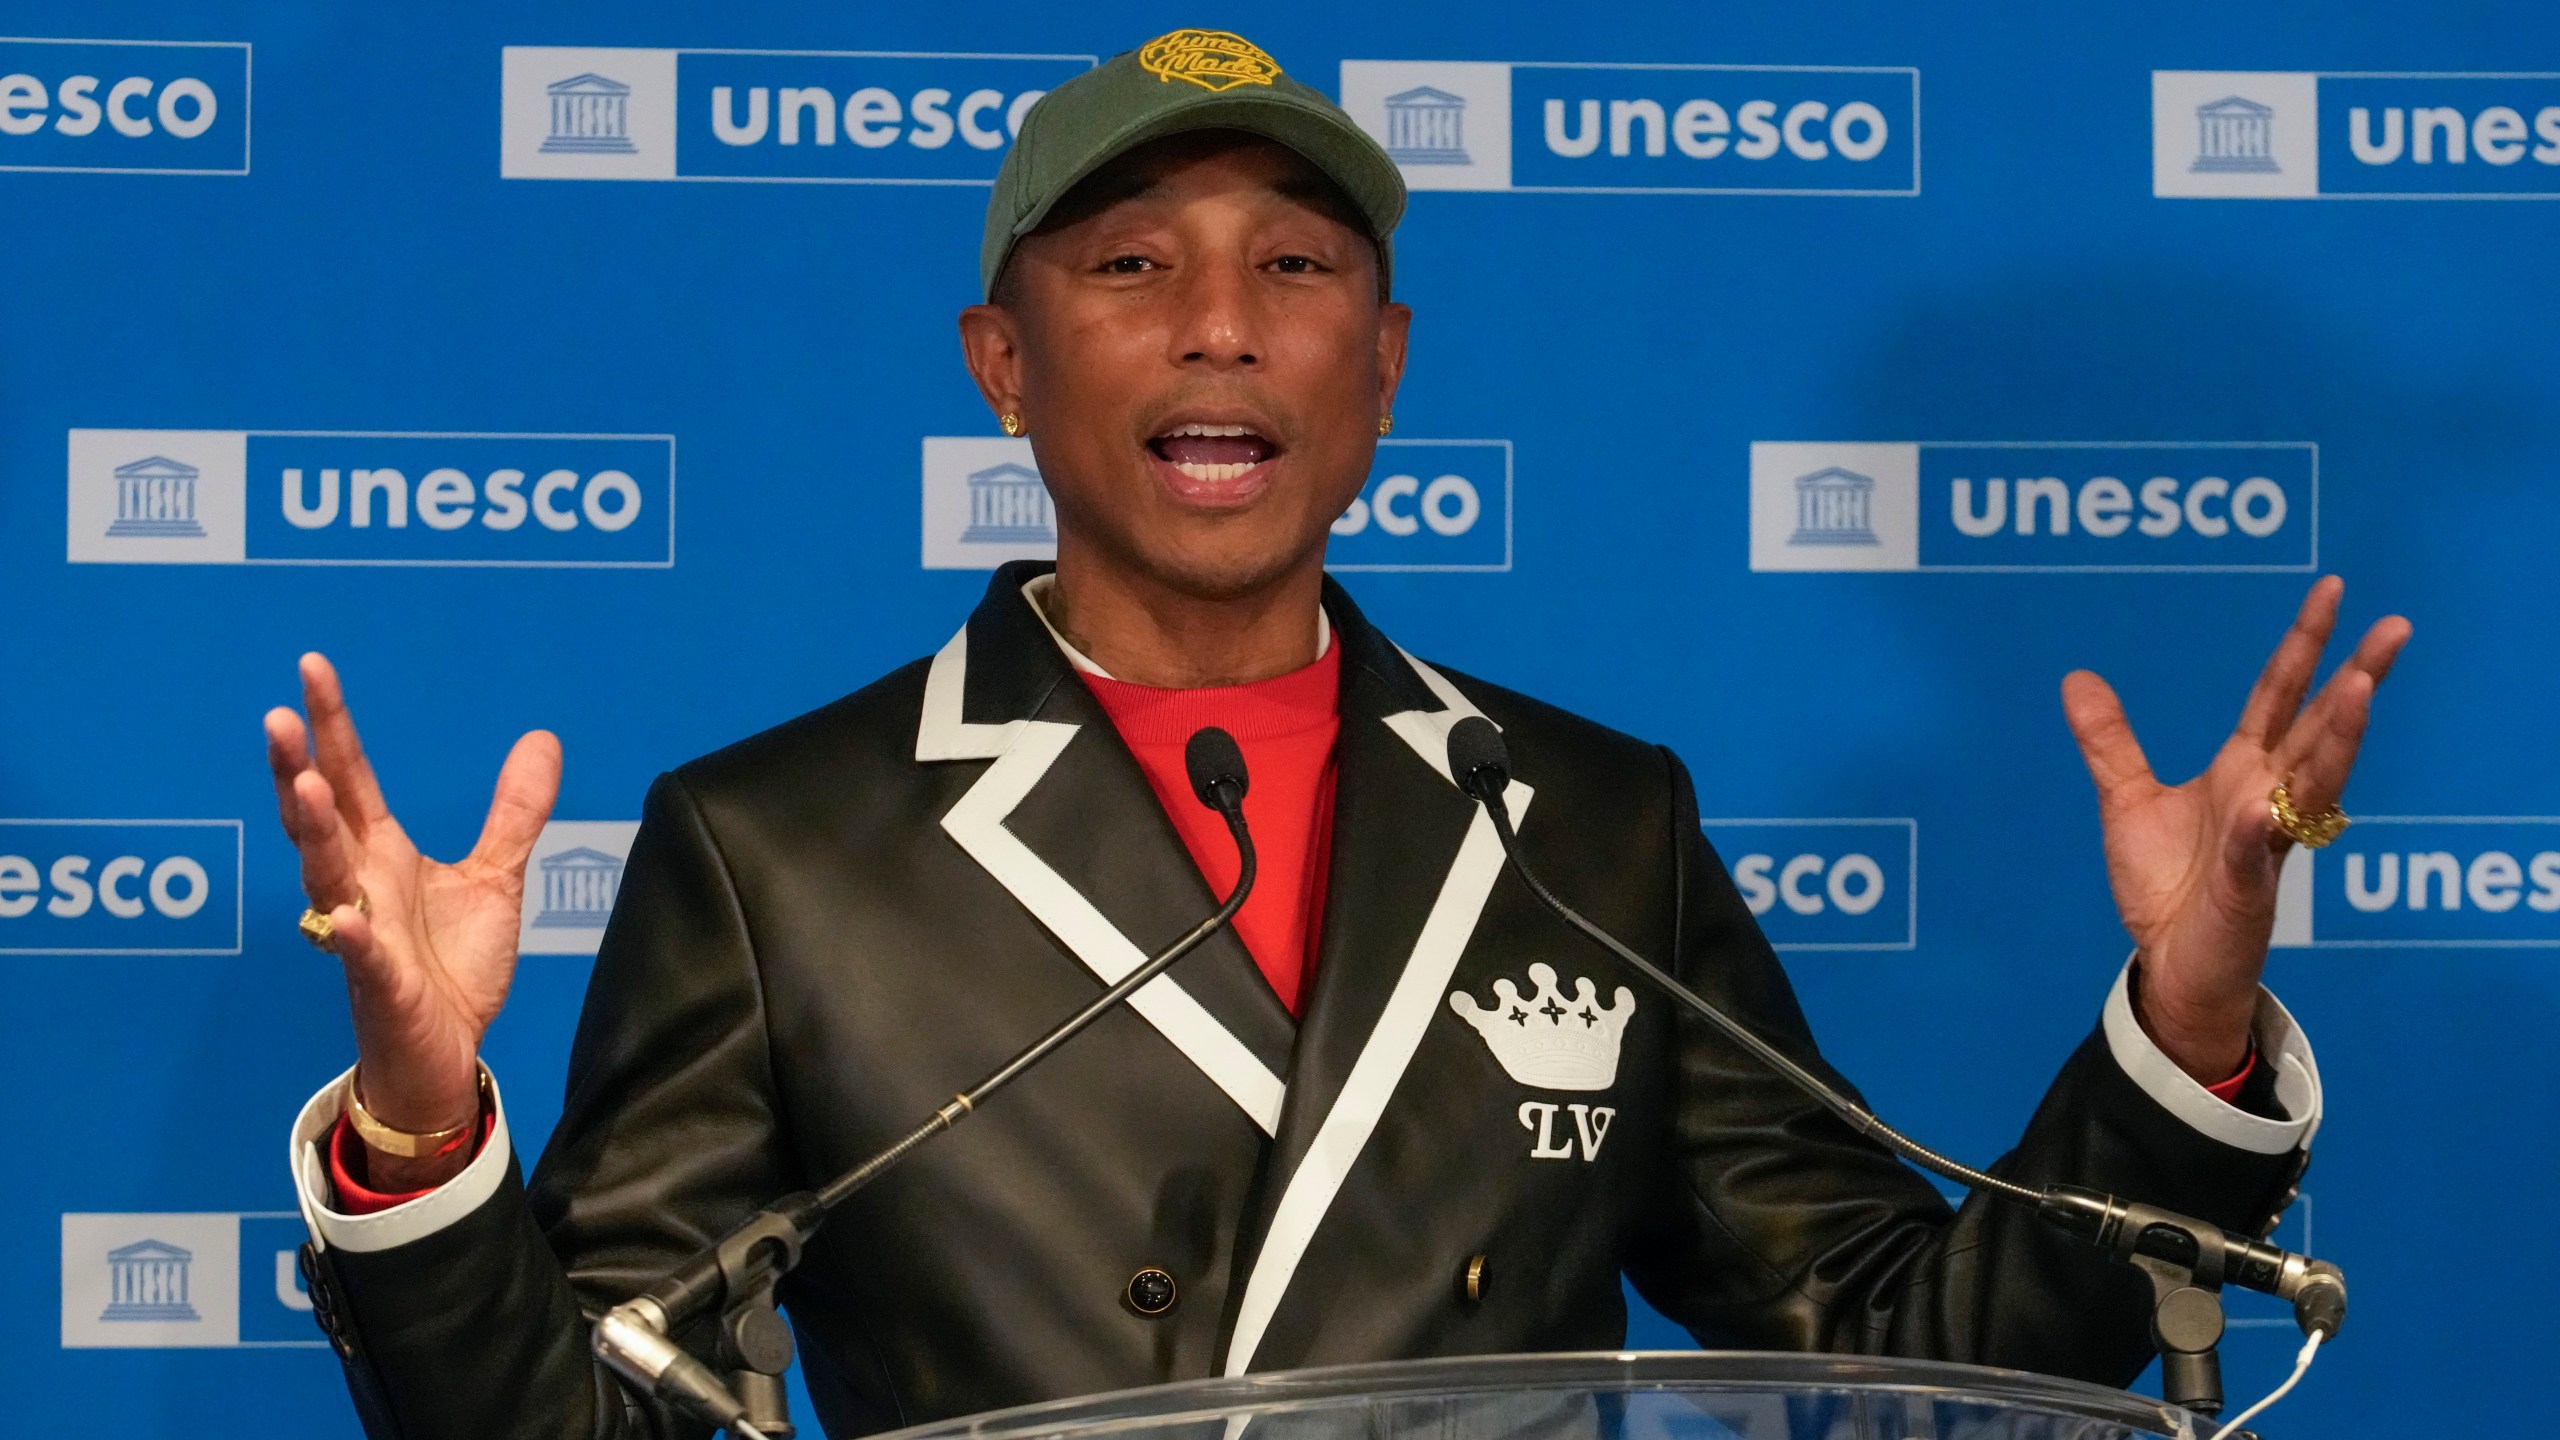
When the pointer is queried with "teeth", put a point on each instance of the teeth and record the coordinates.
(1198, 429)
(1212, 472)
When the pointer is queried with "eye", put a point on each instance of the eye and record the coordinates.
(1297, 265)
(1127, 265)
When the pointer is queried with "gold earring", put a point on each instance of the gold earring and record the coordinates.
(1387, 423)
(1011, 422)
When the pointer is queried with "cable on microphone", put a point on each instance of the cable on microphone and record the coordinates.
(1481, 764)
(2155, 1240)
(741, 1268)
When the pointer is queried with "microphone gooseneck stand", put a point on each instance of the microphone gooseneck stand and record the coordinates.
(735, 1275)
(2188, 1261)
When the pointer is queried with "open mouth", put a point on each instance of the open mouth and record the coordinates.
(1212, 454)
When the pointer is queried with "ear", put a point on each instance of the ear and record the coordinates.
(991, 344)
(1395, 321)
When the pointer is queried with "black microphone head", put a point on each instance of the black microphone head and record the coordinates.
(1217, 768)
(1478, 760)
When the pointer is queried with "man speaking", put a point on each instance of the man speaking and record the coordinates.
(1398, 1109)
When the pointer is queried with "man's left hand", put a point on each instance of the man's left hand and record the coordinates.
(2194, 866)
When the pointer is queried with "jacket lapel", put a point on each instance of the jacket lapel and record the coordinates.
(1413, 862)
(1065, 821)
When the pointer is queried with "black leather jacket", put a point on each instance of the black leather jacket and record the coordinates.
(826, 930)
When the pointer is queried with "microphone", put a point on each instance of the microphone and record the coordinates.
(742, 1267)
(1481, 764)
(1217, 771)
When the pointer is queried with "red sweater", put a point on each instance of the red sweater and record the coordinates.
(1286, 727)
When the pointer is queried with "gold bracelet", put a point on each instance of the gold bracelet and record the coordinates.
(406, 1145)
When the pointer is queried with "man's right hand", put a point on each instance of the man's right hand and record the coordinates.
(428, 962)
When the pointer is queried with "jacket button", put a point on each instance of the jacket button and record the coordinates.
(1471, 1279)
(1151, 1291)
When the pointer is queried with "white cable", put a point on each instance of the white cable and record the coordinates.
(2301, 1365)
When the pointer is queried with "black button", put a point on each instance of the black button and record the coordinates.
(1151, 1291)
(315, 1283)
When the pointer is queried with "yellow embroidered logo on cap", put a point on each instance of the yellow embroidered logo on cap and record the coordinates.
(1210, 59)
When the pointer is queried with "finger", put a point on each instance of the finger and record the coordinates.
(353, 941)
(2373, 658)
(2380, 648)
(2269, 712)
(288, 755)
(328, 851)
(341, 753)
(2331, 740)
(527, 785)
(2097, 721)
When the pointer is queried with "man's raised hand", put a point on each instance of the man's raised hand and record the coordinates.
(429, 960)
(2194, 866)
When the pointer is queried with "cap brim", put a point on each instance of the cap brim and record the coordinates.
(1329, 142)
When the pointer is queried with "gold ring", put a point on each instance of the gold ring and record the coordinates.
(322, 931)
(2309, 831)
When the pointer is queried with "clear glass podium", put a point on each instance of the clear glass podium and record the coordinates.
(1650, 1395)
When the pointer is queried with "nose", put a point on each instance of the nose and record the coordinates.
(1219, 317)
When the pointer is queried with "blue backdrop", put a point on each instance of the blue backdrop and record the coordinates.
(1740, 418)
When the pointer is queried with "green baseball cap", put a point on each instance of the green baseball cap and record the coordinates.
(1174, 84)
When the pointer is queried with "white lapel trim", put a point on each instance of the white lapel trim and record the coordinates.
(1409, 1011)
(977, 822)
(1427, 731)
(1374, 1076)
(941, 734)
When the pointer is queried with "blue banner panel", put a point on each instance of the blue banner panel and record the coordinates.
(2440, 135)
(1742, 129)
(1765, 451)
(2111, 507)
(318, 499)
(1826, 884)
(141, 106)
(120, 887)
(916, 119)
(1429, 505)
(2486, 881)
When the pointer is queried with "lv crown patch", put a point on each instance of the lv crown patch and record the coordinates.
(1548, 1039)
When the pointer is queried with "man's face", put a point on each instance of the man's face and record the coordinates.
(1200, 358)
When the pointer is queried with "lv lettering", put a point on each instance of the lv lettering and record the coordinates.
(1590, 1126)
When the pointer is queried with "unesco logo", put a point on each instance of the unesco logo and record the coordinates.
(230, 497)
(2299, 135)
(570, 883)
(2034, 506)
(2398, 882)
(1428, 505)
(143, 107)
(1607, 128)
(1826, 884)
(846, 117)
(120, 887)
(185, 1281)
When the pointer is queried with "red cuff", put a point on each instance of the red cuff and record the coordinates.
(2228, 1092)
(345, 1156)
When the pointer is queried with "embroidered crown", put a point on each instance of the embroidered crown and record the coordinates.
(1547, 1038)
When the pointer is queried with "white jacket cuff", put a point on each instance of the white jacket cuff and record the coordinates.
(2280, 1044)
(402, 1223)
